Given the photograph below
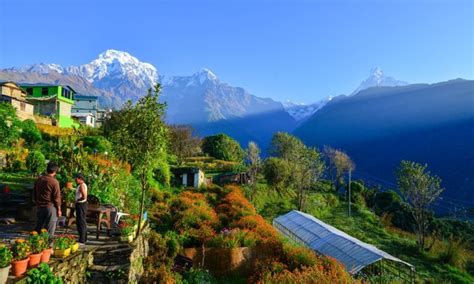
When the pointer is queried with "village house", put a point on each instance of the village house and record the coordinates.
(54, 101)
(13, 94)
(189, 177)
(87, 109)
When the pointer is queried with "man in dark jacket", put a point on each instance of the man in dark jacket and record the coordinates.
(48, 200)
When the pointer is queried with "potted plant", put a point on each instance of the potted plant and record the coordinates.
(20, 251)
(5, 260)
(36, 247)
(62, 248)
(127, 230)
(47, 250)
(74, 245)
(127, 234)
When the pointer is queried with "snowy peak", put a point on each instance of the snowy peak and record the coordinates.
(377, 78)
(40, 68)
(117, 65)
(301, 111)
(199, 78)
(205, 75)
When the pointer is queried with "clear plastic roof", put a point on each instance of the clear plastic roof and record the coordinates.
(329, 241)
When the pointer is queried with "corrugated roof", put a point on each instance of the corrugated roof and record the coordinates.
(329, 241)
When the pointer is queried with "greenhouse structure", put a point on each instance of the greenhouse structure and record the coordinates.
(360, 259)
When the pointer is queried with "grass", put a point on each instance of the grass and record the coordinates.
(370, 228)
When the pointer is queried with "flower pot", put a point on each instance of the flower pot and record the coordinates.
(34, 260)
(127, 239)
(19, 266)
(46, 255)
(74, 247)
(62, 252)
(4, 274)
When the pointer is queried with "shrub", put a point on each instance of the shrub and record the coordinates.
(199, 276)
(454, 254)
(97, 143)
(232, 239)
(42, 274)
(36, 162)
(223, 147)
(5, 256)
(30, 132)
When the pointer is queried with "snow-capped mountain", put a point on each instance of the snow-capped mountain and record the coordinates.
(40, 68)
(120, 72)
(377, 78)
(203, 97)
(301, 111)
(113, 71)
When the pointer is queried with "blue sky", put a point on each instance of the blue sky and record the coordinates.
(298, 50)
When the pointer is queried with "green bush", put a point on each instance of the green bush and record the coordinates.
(99, 143)
(42, 274)
(5, 256)
(30, 132)
(454, 254)
(198, 276)
(223, 147)
(10, 126)
(36, 162)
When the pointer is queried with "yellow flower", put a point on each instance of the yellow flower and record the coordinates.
(20, 241)
(44, 230)
(33, 233)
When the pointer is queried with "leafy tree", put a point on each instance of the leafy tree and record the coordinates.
(306, 171)
(223, 147)
(285, 146)
(339, 164)
(182, 143)
(36, 162)
(420, 189)
(305, 163)
(30, 132)
(277, 173)
(254, 166)
(141, 138)
(9, 125)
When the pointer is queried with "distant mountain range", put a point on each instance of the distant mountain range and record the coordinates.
(380, 126)
(200, 99)
(377, 78)
(383, 121)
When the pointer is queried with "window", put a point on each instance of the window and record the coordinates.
(44, 91)
(29, 91)
(22, 106)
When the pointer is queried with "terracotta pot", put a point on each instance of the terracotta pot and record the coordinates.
(74, 247)
(62, 252)
(46, 255)
(19, 266)
(34, 260)
(4, 274)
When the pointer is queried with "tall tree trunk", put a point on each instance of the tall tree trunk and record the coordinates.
(142, 202)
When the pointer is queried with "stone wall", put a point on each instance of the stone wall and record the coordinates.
(119, 262)
(111, 262)
(73, 269)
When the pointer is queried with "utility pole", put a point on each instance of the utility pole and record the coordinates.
(350, 176)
